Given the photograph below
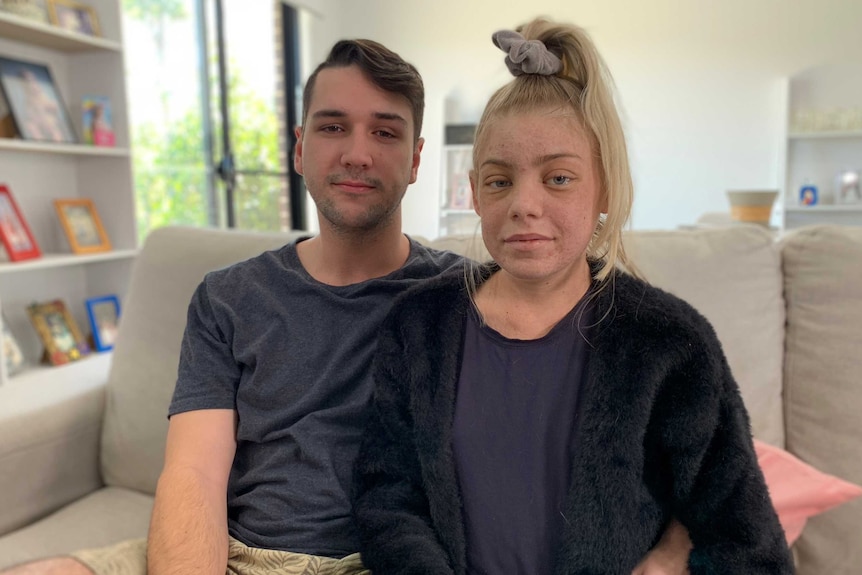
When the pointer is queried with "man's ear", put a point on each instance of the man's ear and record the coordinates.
(417, 153)
(475, 191)
(297, 151)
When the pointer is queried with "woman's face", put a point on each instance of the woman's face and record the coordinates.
(537, 187)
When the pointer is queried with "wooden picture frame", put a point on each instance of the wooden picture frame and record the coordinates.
(82, 225)
(58, 331)
(104, 315)
(74, 17)
(15, 234)
(34, 101)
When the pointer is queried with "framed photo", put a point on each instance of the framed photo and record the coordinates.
(104, 314)
(74, 17)
(12, 356)
(32, 96)
(14, 233)
(82, 225)
(97, 121)
(30, 9)
(58, 331)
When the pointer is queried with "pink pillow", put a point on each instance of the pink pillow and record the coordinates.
(798, 491)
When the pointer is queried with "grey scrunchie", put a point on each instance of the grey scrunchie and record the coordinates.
(526, 56)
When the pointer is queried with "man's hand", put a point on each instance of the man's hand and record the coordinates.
(670, 556)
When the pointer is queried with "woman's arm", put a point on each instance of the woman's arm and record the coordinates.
(718, 491)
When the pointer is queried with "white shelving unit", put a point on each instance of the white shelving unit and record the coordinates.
(456, 204)
(38, 173)
(825, 96)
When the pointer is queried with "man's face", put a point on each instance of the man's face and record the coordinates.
(356, 151)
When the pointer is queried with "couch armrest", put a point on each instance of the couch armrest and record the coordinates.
(50, 425)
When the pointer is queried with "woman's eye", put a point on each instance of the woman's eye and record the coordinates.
(560, 180)
(498, 184)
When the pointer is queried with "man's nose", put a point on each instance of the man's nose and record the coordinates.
(357, 152)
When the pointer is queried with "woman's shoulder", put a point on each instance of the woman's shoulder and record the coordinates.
(633, 305)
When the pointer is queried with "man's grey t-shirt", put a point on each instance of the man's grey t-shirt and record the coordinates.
(292, 356)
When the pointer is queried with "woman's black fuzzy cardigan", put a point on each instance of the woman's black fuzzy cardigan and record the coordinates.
(662, 433)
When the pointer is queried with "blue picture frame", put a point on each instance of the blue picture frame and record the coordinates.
(104, 315)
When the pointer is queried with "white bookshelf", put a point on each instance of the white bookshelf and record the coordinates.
(37, 173)
(827, 96)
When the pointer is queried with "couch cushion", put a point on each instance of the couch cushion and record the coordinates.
(104, 517)
(823, 381)
(733, 277)
(144, 370)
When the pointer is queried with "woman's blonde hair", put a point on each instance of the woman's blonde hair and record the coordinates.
(585, 85)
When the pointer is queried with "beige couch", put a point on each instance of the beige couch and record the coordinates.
(79, 458)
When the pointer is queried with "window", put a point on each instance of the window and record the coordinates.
(212, 89)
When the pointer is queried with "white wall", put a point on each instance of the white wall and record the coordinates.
(701, 82)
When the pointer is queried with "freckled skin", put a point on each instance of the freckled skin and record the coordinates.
(537, 188)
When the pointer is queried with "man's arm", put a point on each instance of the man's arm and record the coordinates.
(670, 555)
(188, 530)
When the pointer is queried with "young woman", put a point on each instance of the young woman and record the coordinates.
(552, 414)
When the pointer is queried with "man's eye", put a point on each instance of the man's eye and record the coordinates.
(331, 129)
(385, 134)
(498, 184)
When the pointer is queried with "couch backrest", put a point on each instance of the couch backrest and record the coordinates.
(733, 277)
(823, 382)
(169, 267)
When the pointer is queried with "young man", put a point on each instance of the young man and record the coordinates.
(272, 397)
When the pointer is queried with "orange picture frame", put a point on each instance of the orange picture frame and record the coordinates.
(15, 234)
(82, 225)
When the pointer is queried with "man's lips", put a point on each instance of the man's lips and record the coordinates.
(355, 186)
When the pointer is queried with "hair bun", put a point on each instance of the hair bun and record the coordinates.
(526, 56)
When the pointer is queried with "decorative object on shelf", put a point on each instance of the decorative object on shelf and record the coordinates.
(848, 187)
(808, 195)
(58, 331)
(804, 120)
(82, 225)
(35, 102)
(97, 121)
(12, 356)
(751, 206)
(74, 17)
(31, 9)
(104, 314)
(14, 233)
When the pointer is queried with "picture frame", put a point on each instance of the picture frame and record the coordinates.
(74, 17)
(104, 315)
(12, 355)
(58, 331)
(15, 234)
(34, 101)
(96, 121)
(82, 225)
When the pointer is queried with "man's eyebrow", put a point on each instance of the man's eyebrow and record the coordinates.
(329, 114)
(390, 116)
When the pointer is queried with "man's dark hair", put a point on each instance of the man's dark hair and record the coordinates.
(383, 67)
